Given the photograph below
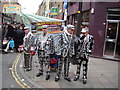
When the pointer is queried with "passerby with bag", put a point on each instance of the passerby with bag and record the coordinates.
(8, 37)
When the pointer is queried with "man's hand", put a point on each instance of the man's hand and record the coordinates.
(21, 46)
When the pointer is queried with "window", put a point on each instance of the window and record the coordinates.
(85, 18)
(113, 14)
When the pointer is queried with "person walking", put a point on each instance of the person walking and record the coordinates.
(85, 46)
(9, 35)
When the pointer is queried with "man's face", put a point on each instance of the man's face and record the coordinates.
(26, 31)
(44, 30)
(70, 31)
(84, 33)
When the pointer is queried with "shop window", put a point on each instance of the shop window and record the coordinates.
(85, 18)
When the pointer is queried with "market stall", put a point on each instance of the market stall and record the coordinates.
(55, 25)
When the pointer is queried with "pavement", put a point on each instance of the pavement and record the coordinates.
(7, 77)
(101, 74)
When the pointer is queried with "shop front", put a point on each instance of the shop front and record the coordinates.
(103, 20)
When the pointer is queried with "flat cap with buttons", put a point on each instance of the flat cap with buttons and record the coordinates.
(70, 26)
(85, 30)
(44, 26)
(26, 28)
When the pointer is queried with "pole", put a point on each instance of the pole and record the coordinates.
(79, 22)
(78, 31)
(44, 7)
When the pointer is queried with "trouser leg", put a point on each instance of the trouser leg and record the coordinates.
(40, 57)
(66, 67)
(41, 65)
(6, 49)
(25, 57)
(26, 60)
(48, 66)
(30, 63)
(85, 68)
(78, 67)
(60, 64)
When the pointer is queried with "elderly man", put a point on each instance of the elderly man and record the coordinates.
(28, 46)
(65, 47)
(85, 46)
(45, 48)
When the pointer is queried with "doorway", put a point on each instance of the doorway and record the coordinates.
(112, 39)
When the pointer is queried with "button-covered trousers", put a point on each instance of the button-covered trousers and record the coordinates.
(43, 60)
(27, 60)
(84, 62)
(66, 67)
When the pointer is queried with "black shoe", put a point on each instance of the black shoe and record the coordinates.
(47, 77)
(4, 52)
(76, 78)
(25, 67)
(39, 74)
(84, 81)
(29, 69)
(68, 79)
(56, 79)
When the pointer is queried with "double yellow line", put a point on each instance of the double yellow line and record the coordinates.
(15, 74)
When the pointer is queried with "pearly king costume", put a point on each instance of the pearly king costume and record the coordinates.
(65, 49)
(84, 50)
(44, 49)
(28, 47)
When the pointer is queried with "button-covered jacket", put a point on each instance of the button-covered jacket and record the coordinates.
(29, 42)
(45, 43)
(85, 46)
(65, 46)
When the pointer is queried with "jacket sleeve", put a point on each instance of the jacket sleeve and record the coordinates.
(49, 46)
(91, 44)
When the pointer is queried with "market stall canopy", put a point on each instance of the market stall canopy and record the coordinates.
(28, 18)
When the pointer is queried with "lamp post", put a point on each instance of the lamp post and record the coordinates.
(78, 31)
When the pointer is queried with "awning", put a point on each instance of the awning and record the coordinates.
(29, 18)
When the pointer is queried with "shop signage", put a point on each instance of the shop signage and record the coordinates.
(9, 8)
(54, 11)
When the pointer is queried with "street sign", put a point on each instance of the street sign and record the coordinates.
(65, 4)
(54, 11)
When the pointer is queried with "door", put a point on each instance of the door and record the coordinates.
(117, 52)
(110, 47)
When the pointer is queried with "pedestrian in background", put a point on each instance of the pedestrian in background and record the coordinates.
(10, 31)
(19, 35)
(9, 35)
(85, 46)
